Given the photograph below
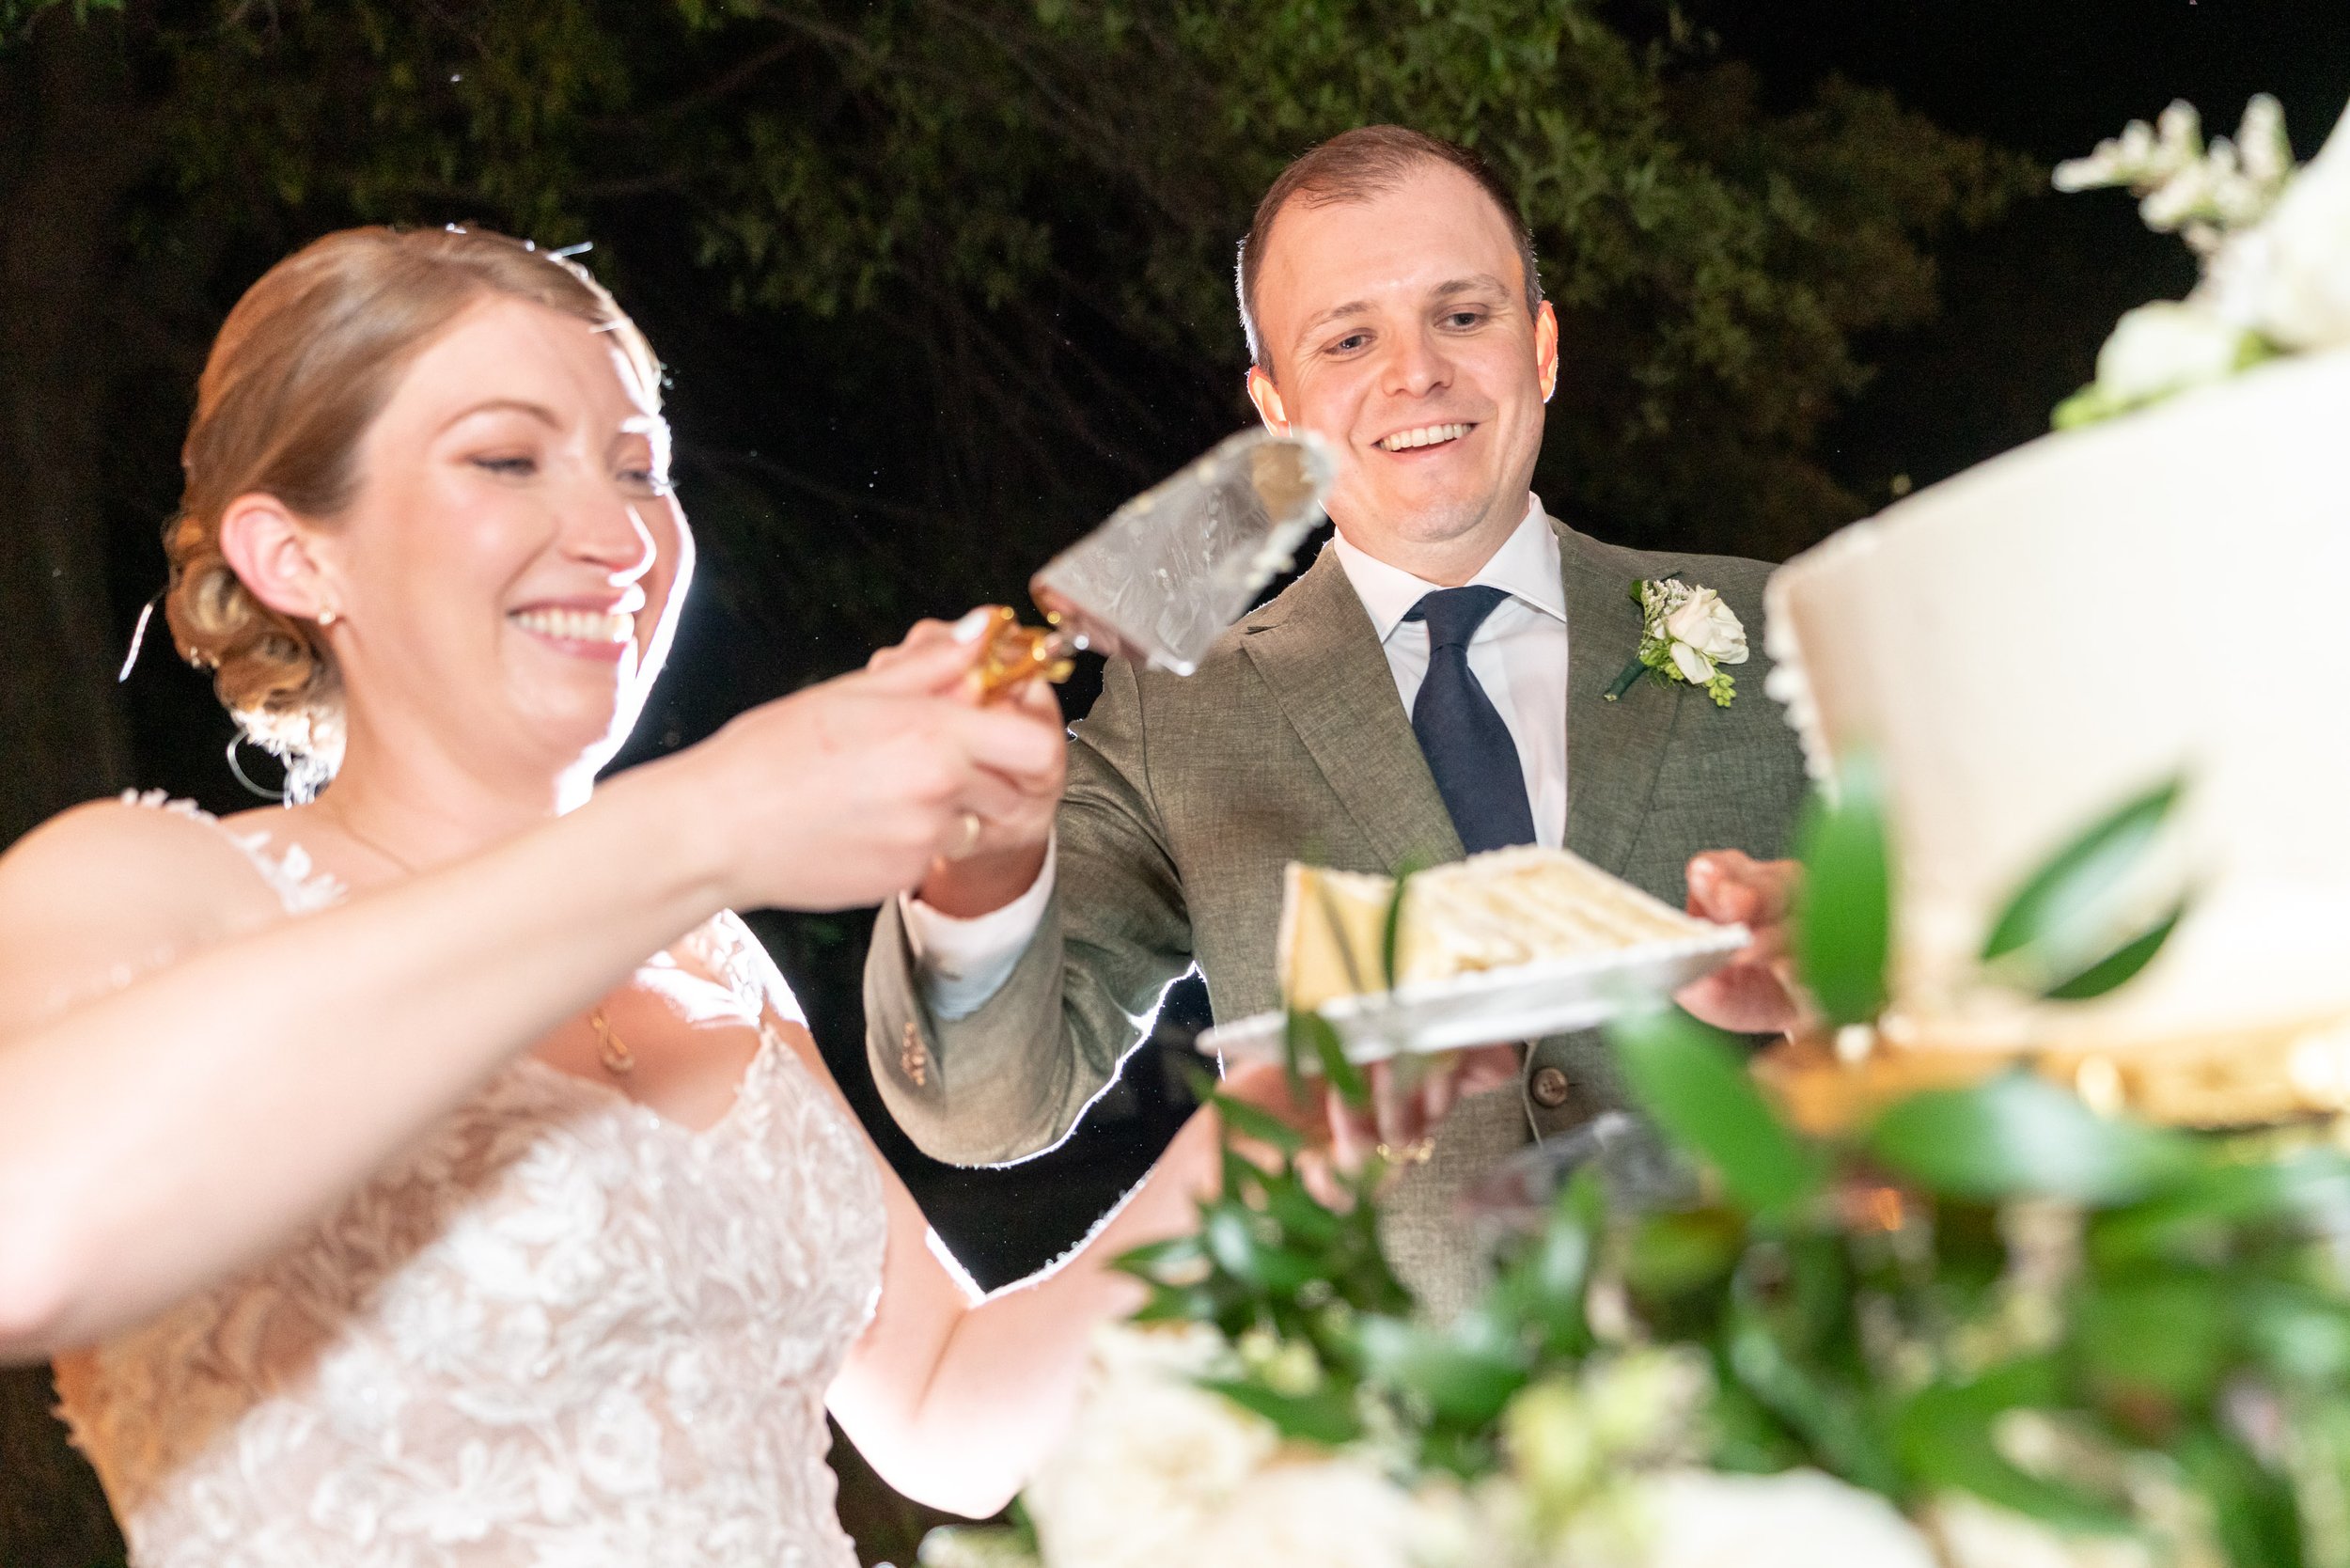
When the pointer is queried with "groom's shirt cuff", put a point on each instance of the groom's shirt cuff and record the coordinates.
(961, 964)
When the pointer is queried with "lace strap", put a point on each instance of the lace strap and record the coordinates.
(299, 885)
(736, 956)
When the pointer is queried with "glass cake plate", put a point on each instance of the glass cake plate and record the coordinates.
(1524, 1002)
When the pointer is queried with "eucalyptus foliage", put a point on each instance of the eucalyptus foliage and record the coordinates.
(2113, 1328)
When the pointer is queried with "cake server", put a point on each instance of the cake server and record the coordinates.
(1170, 570)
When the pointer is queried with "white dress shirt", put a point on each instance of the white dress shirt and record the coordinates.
(1518, 654)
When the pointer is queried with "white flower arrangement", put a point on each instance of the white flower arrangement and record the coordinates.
(1602, 1470)
(1159, 1472)
(1687, 635)
(2274, 239)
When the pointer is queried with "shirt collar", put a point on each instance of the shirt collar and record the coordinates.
(1527, 567)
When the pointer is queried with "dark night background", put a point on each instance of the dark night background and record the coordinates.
(862, 442)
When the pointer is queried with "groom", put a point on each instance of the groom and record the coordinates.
(1434, 684)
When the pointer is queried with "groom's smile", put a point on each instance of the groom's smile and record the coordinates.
(1420, 438)
(1397, 324)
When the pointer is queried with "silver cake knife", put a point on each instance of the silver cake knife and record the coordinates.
(1170, 570)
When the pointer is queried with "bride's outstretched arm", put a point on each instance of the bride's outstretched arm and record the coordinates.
(158, 1131)
(955, 1403)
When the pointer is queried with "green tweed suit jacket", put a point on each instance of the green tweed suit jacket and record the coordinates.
(1186, 797)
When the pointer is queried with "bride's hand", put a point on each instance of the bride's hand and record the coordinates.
(1007, 857)
(845, 793)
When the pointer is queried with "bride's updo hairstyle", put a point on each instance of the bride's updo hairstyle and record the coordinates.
(303, 365)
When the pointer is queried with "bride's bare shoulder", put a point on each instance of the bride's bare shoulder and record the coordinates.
(116, 886)
(143, 842)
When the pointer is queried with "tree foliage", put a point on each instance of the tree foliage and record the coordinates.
(1014, 219)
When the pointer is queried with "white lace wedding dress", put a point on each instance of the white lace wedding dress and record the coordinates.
(560, 1332)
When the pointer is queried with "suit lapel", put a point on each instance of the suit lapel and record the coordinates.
(1315, 649)
(1614, 749)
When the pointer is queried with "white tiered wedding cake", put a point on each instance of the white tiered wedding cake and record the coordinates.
(2160, 593)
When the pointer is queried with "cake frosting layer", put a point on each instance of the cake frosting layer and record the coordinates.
(1497, 910)
(2028, 643)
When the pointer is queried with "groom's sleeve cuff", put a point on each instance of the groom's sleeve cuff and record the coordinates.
(961, 964)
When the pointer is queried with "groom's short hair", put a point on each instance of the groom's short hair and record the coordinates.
(1356, 165)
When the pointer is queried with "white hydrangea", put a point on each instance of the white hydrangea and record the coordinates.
(1159, 1473)
(1704, 1519)
(2168, 347)
(1150, 1459)
(2275, 243)
(1975, 1535)
(2184, 187)
(1319, 1513)
(2301, 254)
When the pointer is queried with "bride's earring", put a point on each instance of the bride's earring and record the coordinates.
(328, 617)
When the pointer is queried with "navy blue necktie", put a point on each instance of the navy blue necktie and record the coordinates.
(1468, 747)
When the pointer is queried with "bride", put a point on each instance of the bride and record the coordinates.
(380, 1200)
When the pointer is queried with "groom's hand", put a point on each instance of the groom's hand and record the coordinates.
(1410, 1096)
(1005, 858)
(1756, 992)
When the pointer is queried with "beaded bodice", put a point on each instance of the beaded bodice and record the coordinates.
(559, 1330)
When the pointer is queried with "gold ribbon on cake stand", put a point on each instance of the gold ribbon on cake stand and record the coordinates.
(2238, 1078)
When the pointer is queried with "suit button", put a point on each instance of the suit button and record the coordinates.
(1549, 1088)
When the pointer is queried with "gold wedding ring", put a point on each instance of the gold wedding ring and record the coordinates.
(966, 837)
(1414, 1153)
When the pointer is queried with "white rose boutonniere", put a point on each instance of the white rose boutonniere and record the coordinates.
(1686, 633)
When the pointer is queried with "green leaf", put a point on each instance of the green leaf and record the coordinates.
(1692, 1080)
(1257, 1122)
(2206, 1211)
(1748, 1437)
(2171, 1336)
(1172, 1304)
(1308, 1036)
(1293, 1052)
(1832, 1417)
(2119, 966)
(1326, 1416)
(1670, 1254)
(2300, 1335)
(1545, 1284)
(1465, 1375)
(2073, 893)
(1230, 1232)
(1341, 1074)
(1944, 1438)
(2251, 1509)
(1843, 916)
(1161, 1260)
(1391, 928)
(1288, 1201)
(2018, 1135)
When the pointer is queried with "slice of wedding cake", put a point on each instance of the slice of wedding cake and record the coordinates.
(2158, 594)
(1499, 910)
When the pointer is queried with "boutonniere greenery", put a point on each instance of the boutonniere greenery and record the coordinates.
(1686, 633)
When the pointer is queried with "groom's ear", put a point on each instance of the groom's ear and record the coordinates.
(1546, 349)
(1270, 408)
